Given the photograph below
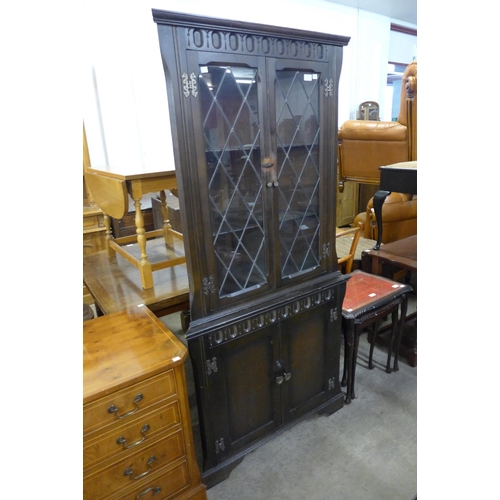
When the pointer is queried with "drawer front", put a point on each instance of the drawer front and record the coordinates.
(134, 469)
(131, 437)
(128, 402)
(93, 221)
(162, 487)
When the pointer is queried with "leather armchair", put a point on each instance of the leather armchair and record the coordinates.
(364, 146)
(399, 218)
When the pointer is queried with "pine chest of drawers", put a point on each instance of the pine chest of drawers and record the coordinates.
(137, 434)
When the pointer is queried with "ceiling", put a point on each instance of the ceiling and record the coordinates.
(401, 10)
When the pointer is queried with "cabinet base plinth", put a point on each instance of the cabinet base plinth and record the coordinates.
(222, 471)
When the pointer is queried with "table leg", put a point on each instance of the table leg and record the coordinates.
(404, 308)
(169, 239)
(109, 236)
(144, 265)
(378, 201)
(348, 357)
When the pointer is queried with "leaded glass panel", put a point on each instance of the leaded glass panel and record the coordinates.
(232, 131)
(298, 131)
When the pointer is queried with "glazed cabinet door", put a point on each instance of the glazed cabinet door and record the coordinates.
(262, 169)
(230, 143)
(298, 126)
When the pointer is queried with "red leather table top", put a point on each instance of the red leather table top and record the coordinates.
(363, 289)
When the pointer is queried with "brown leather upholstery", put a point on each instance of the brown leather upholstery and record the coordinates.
(399, 218)
(364, 146)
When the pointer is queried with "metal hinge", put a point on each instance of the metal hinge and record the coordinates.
(189, 85)
(329, 87)
(219, 445)
(211, 366)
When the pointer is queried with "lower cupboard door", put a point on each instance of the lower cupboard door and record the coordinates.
(244, 396)
(310, 360)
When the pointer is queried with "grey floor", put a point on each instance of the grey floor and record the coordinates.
(365, 451)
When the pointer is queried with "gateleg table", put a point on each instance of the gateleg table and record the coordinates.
(110, 190)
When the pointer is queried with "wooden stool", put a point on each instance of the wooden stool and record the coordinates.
(368, 299)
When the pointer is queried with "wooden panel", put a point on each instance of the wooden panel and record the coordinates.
(109, 194)
(96, 414)
(168, 485)
(102, 483)
(105, 446)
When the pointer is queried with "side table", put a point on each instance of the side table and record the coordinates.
(110, 190)
(367, 300)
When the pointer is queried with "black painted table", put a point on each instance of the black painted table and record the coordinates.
(399, 178)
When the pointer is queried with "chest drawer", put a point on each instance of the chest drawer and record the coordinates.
(134, 469)
(134, 400)
(129, 438)
(93, 221)
(164, 486)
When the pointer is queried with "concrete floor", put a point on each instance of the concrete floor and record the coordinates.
(365, 451)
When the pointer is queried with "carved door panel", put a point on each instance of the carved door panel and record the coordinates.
(310, 360)
(244, 394)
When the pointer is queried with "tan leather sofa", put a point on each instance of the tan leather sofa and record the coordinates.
(365, 146)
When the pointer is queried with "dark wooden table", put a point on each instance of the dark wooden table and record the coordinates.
(401, 254)
(398, 178)
(116, 285)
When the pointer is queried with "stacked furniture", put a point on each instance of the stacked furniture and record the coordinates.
(137, 434)
(253, 111)
(365, 146)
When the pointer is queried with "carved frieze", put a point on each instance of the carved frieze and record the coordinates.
(275, 315)
(252, 44)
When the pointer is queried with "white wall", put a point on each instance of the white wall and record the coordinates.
(125, 100)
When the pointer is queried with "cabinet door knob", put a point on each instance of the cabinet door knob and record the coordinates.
(287, 376)
(279, 380)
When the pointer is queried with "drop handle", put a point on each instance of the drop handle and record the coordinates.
(121, 440)
(114, 409)
(130, 472)
(155, 491)
(267, 165)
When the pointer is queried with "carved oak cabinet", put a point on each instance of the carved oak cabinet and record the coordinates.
(253, 112)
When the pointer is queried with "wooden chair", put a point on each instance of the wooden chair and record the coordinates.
(346, 259)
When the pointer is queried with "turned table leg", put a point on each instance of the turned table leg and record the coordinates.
(144, 265)
(109, 236)
(169, 239)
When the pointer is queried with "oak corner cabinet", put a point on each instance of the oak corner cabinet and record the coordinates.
(137, 435)
(253, 112)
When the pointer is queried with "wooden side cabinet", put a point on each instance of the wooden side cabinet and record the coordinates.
(137, 435)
